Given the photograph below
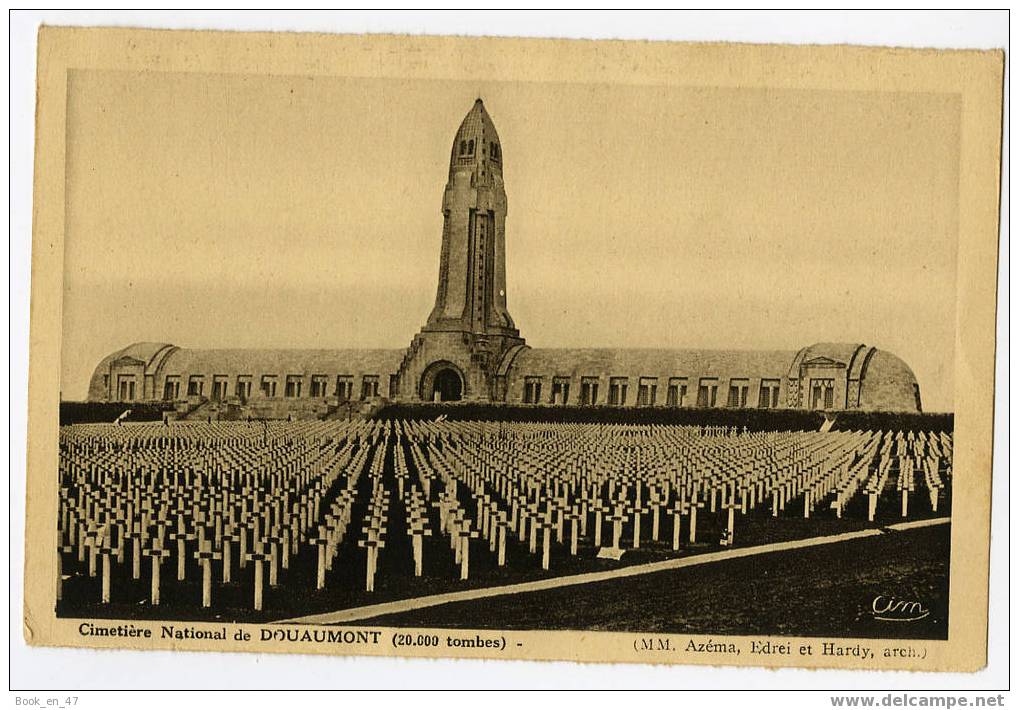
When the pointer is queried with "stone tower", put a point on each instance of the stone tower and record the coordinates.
(458, 353)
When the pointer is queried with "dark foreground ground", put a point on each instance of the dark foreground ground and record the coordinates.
(823, 591)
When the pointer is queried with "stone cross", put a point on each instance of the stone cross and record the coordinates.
(158, 554)
(61, 551)
(465, 535)
(677, 511)
(106, 550)
(546, 527)
(321, 542)
(618, 518)
(637, 510)
(227, 539)
(502, 526)
(205, 556)
(418, 529)
(599, 510)
(180, 536)
(574, 517)
(694, 504)
(259, 559)
(728, 535)
(372, 545)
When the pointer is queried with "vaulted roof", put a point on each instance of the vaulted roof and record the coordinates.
(653, 362)
(283, 362)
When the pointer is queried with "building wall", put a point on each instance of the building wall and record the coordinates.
(886, 384)
(660, 366)
(863, 378)
(302, 365)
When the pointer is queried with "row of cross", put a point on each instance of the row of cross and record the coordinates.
(213, 499)
(255, 500)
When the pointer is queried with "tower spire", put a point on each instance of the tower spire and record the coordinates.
(460, 351)
(471, 294)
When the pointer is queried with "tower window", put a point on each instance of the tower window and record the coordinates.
(617, 391)
(125, 387)
(242, 388)
(219, 385)
(532, 390)
(560, 390)
(463, 147)
(647, 390)
(196, 385)
(822, 393)
(319, 384)
(344, 387)
(738, 388)
(369, 386)
(589, 390)
(171, 388)
(707, 392)
(494, 151)
(268, 385)
(470, 147)
(768, 398)
(294, 384)
(676, 396)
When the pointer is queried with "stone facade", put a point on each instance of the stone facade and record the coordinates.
(470, 349)
(469, 329)
(263, 383)
(274, 383)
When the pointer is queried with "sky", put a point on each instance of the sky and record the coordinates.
(285, 211)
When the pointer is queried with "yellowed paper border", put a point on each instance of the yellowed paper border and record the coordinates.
(975, 76)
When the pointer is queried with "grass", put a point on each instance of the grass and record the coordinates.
(823, 591)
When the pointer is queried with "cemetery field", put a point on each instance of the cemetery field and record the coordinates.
(234, 521)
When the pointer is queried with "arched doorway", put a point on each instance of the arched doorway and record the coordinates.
(448, 386)
(442, 382)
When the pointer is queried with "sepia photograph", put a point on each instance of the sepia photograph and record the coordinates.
(449, 355)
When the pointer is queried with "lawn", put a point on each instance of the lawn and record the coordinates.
(822, 591)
